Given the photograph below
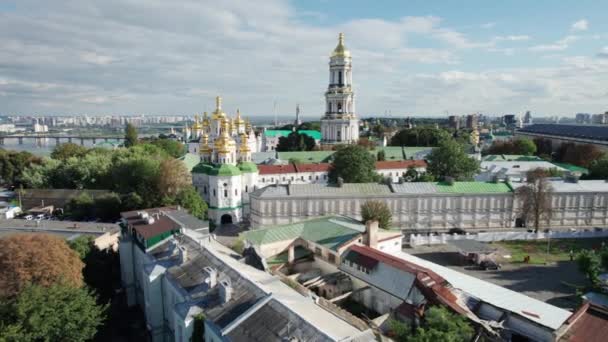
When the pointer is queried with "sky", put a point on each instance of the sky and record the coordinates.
(427, 58)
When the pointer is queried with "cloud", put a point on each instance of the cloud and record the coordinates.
(580, 25)
(559, 45)
(152, 57)
(603, 53)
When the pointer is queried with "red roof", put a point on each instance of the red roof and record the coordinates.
(399, 164)
(320, 167)
(160, 225)
(274, 169)
(589, 324)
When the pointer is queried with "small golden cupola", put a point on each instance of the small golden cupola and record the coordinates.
(197, 126)
(205, 120)
(223, 143)
(204, 147)
(217, 113)
(239, 120)
(341, 50)
(244, 144)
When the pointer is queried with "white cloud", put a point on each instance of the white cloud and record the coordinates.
(603, 53)
(559, 45)
(513, 38)
(581, 25)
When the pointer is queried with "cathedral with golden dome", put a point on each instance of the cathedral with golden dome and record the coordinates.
(225, 175)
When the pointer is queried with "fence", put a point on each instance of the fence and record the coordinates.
(422, 239)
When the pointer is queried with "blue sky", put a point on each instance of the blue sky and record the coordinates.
(409, 57)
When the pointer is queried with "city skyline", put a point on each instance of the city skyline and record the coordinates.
(412, 59)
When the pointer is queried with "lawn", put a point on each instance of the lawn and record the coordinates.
(537, 249)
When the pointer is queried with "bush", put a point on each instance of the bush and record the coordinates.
(377, 211)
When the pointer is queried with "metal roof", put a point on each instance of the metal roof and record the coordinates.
(472, 246)
(571, 131)
(345, 189)
(329, 231)
(500, 297)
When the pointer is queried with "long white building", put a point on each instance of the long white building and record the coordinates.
(432, 207)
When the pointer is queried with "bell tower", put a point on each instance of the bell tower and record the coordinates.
(340, 125)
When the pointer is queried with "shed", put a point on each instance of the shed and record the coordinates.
(474, 251)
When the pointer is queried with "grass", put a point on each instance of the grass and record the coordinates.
(537, 249)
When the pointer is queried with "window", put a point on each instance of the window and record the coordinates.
(310, 177)
(331, 258)
(283, 179)
(225, 193)
(236, 192)
(214, 193)
(205, 189)
(291, 177)
(302, 177)
(339, 79)
(339, 111)
(246, 188)
(272, 179)
(318, 251)
(317, 177)
(324, 177)
(263, 180)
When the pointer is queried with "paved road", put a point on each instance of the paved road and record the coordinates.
(97, 228)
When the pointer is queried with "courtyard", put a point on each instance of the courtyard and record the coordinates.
(554, 282)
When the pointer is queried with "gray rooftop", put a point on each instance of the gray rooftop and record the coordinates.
(472, 246)
(415, 188)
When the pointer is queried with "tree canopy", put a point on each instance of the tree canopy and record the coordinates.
(54, 261)
(295, 142)
(58, 312)
(12, 165)
(450, 160)
(419, 136)
(377, 211)
(523, 146)
(535, 198)
(598, 169)
(173, 148)
(578, 154)
(438, 324)
(130, 135)
(354, 164)
(67, 150)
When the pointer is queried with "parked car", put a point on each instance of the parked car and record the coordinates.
(489, 265)
(29, 217)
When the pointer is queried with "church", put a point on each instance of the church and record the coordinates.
(226, 174)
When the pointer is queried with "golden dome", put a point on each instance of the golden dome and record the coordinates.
(197, 126)
(244, 146)
(224, 143)
(238, 120)
(341, 50)
(217, 113)
(204, 145)
(205, 120)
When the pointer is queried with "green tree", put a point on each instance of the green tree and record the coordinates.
(55, 313)
(192, 201)
(80, 207)
(525, 146)
(68, 150)
(130, 135)
(295, 142)
(81, 245)
(450, 160)
(439, 324)
(589, 263)
(419, 136)
(354, 164)
(12, 165)
(310, 126)
(411, 174)
(377, 211)
(107, 207)
(598, 169)
(381, 155)
(198, 329)
(173, 148)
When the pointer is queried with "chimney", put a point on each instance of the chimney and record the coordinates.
(210, 276)
(149, 219)
(183, 254)
(225, 291)
(371, 229)
(340, 182)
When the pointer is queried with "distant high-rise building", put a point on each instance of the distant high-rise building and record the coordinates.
(298, 122)
(583, 118)
(454, 121)
(472, 121)
(598, 119)
(527, 118)
(509, 120)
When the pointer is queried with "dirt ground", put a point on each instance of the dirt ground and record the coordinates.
(548, 283)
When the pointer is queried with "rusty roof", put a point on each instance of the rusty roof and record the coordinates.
(588, 324)
(399, 164)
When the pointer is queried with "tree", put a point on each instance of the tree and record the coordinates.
(107, 207)
(68, 150)
(439, 324)
(198, 328)
(589, 263)
(81, 245)
(295, 142)
(419, 136)
(367, 143)
(130, 135)
(80, 207)
(450, 160)
(192, 201)
(54, 261)
(535, 198)
(12, 165)
(598, 169)
(173, 177)
(58, 312)
(578, 154)
(525, 146)
(377, 211)
(173, 148)
(354, 164)
(411, 174)
(381, 155)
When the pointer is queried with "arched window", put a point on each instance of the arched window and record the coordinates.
(329, 107)
(340, 77)
(339, 107)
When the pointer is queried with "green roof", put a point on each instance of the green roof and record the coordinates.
(248, 167)
(307, 156)
(572, 168)
(202, 168)
(328, 231)
(224, 170)
(395, 153)
(511, 157)
(285, 132)
(473, 187)
(190, 160)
